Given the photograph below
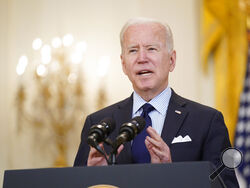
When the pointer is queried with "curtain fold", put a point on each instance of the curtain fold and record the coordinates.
(224, 38)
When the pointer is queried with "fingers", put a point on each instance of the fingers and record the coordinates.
(154, 157)
(154, 142)
(94, 153)
(120, 149)
(163, 155)
(153, 134)
(158, 149)
(95, 158)
(95, 161)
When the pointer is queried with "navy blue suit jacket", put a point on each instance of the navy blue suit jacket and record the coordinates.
(204, 125)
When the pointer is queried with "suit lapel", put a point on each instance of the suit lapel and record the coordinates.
(122, 115)
(172, 123)
(175, 116)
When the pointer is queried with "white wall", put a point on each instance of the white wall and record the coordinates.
(4, 101)
(99, 23)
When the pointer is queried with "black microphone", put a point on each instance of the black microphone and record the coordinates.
(128, 131)
(100, 132)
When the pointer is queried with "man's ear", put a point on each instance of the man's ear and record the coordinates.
(123, 64)
(172, 60)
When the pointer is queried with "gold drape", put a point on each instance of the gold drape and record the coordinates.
(224, 38)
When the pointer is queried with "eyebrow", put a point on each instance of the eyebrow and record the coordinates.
(148, 45)
(153, 45)
(133, 46)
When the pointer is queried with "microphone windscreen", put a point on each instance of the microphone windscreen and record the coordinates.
(140, 122)
(110, 122)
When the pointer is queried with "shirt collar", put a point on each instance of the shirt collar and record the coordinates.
(160, 102)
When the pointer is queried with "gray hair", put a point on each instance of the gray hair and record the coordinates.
(141, 20)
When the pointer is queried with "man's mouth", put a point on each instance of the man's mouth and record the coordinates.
(144, 72)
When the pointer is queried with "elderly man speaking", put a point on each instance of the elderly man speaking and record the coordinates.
(177, 129)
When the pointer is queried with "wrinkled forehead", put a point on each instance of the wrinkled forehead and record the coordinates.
(145, 33)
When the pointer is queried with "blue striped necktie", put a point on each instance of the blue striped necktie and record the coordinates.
(140, 153)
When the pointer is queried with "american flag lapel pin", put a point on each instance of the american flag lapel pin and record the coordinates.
(177, 111)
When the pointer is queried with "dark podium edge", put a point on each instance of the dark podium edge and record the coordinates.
(74, 174)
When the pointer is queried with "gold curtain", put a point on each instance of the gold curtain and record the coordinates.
(224, 39)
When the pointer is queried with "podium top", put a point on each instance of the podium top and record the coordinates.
(180, 174)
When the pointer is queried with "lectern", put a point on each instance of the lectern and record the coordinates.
(174, 175)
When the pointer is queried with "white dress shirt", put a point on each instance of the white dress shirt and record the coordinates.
(160, 103)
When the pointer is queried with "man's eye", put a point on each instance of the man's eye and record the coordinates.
(132, 51)
(151, 49)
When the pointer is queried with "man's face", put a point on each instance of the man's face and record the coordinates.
(145, 58)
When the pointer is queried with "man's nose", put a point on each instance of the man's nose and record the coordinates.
(142, 56)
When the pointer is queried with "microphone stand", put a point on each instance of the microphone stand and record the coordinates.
(115, 145)
(98, 148)
(111, 160)
(112, 156)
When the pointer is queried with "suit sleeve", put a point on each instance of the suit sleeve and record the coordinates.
(83, 150)
(216, 142)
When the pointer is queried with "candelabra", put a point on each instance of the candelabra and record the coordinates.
(50, 95)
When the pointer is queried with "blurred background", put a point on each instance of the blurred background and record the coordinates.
(60, 61)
